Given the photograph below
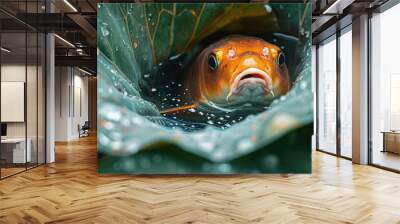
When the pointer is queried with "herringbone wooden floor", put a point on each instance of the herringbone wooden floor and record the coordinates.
(70, 191)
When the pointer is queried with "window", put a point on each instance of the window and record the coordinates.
(327, 96)
(346, 95)
(385, 89)
(22, 77)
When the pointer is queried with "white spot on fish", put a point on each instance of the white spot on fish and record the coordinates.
(231, 53)
(265, 51)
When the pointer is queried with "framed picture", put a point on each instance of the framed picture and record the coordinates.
(204, 88)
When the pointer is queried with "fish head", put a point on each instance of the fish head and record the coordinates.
(241, 69)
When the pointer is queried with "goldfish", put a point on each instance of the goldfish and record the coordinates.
(237, 70)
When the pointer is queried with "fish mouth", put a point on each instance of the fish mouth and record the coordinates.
(251, 76)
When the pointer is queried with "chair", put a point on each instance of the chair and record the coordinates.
(84, 130)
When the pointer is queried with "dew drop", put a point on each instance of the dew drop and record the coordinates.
(104, 31)
(268, 8)
(244, 145)
(303, 85)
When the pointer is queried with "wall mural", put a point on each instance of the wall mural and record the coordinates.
(207, 88)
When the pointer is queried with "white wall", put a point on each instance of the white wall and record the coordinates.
(81, 103)
(71, 94)
(13, 72)
(62, 81)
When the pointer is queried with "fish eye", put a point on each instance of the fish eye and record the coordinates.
(281, 59)
(212, 62)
